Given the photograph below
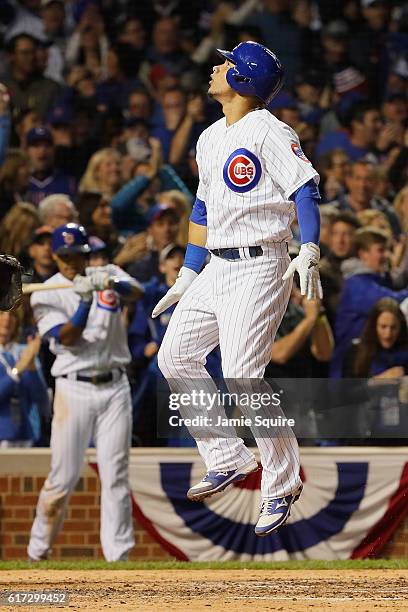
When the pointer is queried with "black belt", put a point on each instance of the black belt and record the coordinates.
(253, 251)
(96, 379)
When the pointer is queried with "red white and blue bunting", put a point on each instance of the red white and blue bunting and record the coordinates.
(353, 501)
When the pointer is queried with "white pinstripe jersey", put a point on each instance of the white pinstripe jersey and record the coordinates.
(247, 172)
(103, 343)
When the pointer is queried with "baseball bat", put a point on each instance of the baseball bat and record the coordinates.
(33, 287)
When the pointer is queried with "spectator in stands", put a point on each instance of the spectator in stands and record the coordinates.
(174, 106)
(40, 253)
(343, 227)
(327, 215)
(30, 89)
(56, 210)
(303, 339)
(362, 124)
(88, 45)
(188, 130)
(360, 182)
(333, 173)
(162, 231)
(25, 121)
(133, 33)
(95, 214)
(182, 204)
(23, 392)
(122, 69)
(103, 173)
(5, 122)
(17, 228)
(382, 349)
(139, 105)
(14, 178)
(165, 53)
(45, 178)
(366, 282)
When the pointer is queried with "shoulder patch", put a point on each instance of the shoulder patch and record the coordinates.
(242, 171)
(107, 300)
(297, 150)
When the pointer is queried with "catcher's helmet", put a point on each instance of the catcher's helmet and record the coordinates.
(70, 238)
(257, 71)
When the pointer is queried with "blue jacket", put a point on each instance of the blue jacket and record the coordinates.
(21, 403)
(362, 289)
(127, 216)
(143, 329)
(5, 128)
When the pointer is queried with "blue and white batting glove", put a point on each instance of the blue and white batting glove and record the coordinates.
(183, 282)
(306, 265)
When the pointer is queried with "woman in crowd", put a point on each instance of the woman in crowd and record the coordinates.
(382, 349)
(17, 228)
(95, 214)
(23, 392)
(14, 175)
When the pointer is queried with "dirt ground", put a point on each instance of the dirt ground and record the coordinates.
(278, 590)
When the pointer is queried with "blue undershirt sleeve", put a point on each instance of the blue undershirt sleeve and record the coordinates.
(307, 199)
(199, 212)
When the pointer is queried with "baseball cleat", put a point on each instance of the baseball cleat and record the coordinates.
(215, 482)
(275, 512)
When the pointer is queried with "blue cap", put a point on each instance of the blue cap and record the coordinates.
(97, 244)
(39, 134)
(60, 115)
(70, 238)
(283, 100)
(158, 210)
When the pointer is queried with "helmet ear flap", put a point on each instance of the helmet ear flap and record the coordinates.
(239, 83)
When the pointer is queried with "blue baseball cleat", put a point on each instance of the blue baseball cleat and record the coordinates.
(215, 482)
(275, 512)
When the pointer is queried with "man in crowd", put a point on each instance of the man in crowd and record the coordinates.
(163, 227)
(56, 210)
(340, 242)
(29, 88)
(45, 178)
(361, 185)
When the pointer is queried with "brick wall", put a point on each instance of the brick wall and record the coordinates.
(80, 535)
(21, 477)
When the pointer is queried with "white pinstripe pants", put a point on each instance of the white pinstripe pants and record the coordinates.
(238, 305)
(83, 411)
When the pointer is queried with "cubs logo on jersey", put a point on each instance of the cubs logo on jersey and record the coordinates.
(297, 150)
(107, 300)
(242, 171)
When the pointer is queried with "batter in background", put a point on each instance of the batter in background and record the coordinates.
(92, 395)
(252, 175)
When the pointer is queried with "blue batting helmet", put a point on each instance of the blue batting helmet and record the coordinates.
(70, 238)
(257, 71)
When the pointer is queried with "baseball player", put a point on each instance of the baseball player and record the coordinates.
(92, 396)
(253, 179)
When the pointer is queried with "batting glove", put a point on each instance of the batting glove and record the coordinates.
(183, 282)
(306, 266)
(99, 277)
(83, 286)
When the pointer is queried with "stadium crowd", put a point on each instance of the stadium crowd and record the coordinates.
(101, 106)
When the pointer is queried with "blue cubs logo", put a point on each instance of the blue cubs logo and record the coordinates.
(242, 171)
(297, 149)
(107, 300)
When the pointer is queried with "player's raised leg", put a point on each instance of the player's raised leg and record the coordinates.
(70, 436)
(112, 438)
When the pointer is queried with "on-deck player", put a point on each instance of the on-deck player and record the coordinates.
(252, 175)
(92, 395)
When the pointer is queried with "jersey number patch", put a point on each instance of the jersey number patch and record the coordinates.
(242, 171)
